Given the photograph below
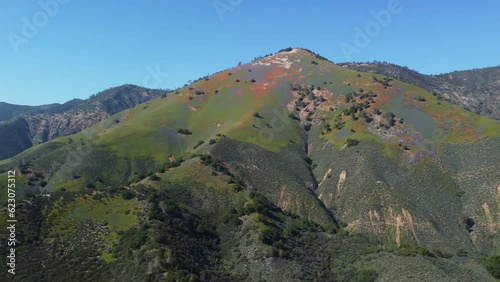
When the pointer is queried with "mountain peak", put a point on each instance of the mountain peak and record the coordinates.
(302, 51)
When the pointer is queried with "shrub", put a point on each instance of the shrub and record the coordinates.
(258, 204)
(211, 142)
(352, 142)
(184, 131)
(493, 266)
(289, 49)
(368, 275)
(421, 99)
(128, 195)
(257, 115)
(268, 235)
(292, 116)
(231, 217)
(390, 119)
(200, 142)
(469, 224)
(154, 177)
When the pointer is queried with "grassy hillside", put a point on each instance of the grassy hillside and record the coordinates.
(288, 167)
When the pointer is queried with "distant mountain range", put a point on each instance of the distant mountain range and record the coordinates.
(286, 168)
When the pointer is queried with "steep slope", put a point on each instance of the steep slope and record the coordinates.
(476, 90)
(39, 126)
(286, 168)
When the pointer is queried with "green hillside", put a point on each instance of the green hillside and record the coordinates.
(287, 168)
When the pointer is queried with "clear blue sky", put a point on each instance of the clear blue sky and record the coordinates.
(88, 46)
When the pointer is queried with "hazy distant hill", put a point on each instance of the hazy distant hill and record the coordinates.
(287, 168)
(477, 90)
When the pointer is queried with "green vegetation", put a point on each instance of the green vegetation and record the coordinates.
(352, 142)
(493, 266)
(184, 131)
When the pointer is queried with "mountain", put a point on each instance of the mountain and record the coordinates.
(475, 90)
(287, 168)
(45, 123)
(8, 111)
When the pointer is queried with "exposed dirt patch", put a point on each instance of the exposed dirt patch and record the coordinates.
(389, 222)
(327, 174)
(376, 222)
(342, 178)
(409, 221)
(491, 222)
(284, 201)
(498, 194)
